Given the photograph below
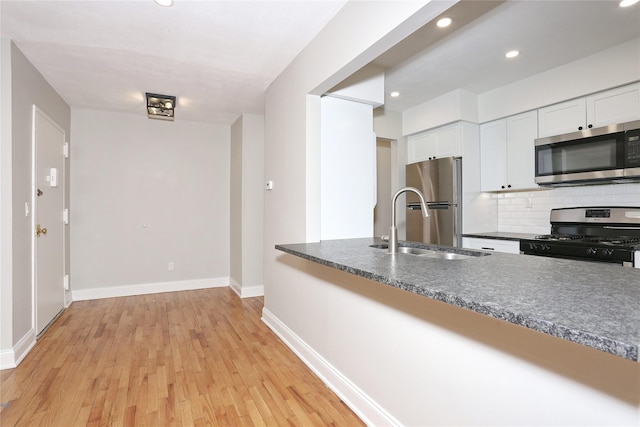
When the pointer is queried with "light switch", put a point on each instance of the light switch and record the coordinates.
(269, 185)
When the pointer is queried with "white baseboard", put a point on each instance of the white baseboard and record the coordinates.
(148, 288)
(366, 408)
(246, 291)
(9, 359)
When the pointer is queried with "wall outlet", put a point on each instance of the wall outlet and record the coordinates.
(170, 266)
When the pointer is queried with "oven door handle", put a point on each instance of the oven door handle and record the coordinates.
(611, 227)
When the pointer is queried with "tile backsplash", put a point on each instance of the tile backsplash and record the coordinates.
(528, 211)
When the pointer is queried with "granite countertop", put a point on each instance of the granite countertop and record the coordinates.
(593, 304)
(500, 235)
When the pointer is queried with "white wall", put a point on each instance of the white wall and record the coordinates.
(451, 107)
(6, 214)
(247, 205)
(292, 139)
(23, 86)
(382, 211)
(235, 205)
(395, 357)
(387, 124)
(347, 169)
(145, 193)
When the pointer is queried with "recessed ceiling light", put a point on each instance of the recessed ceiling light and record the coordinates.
(627, 3)
(164, 3)
(512, 54)
(444, 22)
(395, 94)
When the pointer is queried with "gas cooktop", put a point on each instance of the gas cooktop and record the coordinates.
(607, 234)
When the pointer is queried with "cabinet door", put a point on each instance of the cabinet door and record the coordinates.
(449, 141)
(562, 118)
(498, 245)
(493, 155)
(522, 130)
(614, 106)
(422, 147)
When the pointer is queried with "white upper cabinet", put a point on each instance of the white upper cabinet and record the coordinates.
(613, 106)
(562, 118)
(493, 155)
(507, 152)
(522, 130)
(446, 141)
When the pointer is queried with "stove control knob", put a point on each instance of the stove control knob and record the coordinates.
(591, 251)
(607, 252)
(533, 246)
(546, 247)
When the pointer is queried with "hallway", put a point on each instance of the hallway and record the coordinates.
(198, 357)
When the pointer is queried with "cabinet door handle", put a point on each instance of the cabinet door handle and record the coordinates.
(488, 249)
(579, 127)
(590, 126)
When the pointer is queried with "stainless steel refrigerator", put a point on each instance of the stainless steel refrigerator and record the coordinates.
(440, 182)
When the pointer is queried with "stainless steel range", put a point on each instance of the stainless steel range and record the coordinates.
(605, 234)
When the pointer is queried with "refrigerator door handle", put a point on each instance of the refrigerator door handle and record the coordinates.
(438, 205)
(430, 205)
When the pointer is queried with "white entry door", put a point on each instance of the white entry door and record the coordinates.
(48, 256)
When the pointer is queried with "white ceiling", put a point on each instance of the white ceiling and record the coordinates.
(218, 57)
(470, 53)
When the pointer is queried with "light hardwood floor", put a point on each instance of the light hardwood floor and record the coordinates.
(174, 359)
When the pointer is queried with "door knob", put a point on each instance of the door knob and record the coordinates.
(40, 231)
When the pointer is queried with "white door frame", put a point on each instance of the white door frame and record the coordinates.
(34, 219)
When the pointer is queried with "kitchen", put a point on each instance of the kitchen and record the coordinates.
(332, 311)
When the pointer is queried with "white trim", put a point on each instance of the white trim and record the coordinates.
(235, 287)
(9, 359)
(147, 288)
(246, 291)
(370, 412)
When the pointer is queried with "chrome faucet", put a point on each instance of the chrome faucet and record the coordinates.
(393, 231)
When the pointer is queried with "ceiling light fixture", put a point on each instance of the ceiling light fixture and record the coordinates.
(627, 3)
(444, 22)
(512, 54)
(394, 94)
(160, 106)
(164, 3)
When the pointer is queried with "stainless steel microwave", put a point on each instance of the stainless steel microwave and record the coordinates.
(599, 155)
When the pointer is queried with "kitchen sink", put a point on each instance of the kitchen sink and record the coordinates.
(415, 251)
(453, 255)
(440, 253)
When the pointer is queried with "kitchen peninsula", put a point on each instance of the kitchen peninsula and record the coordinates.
(588, 303)
(416, 340)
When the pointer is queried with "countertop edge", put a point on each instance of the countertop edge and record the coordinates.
(498, 235)
(608, 345)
